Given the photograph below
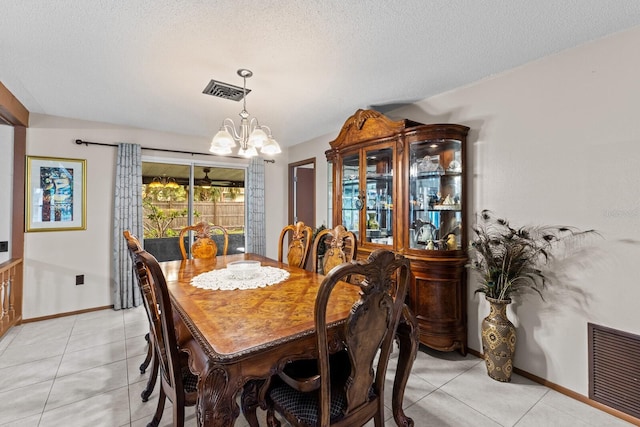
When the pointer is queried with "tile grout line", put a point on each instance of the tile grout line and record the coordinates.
(532, 406)
(55, 377)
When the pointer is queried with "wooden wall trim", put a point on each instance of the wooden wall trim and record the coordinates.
(69, 313)
(11, 110)
(18, 209)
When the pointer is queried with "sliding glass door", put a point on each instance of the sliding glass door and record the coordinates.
(177, 195)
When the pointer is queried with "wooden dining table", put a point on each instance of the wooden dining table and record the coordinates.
(237, 339)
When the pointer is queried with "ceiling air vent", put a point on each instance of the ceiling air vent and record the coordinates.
(224, 90)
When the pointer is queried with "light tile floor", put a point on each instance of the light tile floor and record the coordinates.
(82, 370)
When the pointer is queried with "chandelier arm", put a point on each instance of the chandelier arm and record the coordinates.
(230, 127)
(253, 124)
(268, 129)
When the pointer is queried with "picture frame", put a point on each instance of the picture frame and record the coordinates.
(56, 196)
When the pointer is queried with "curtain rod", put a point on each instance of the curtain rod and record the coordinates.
(87, 143)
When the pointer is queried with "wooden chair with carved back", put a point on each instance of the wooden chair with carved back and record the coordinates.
(177, 382)
(203, 246)
(299, 244)
(133, 245)
(349, 392)
(339, 246)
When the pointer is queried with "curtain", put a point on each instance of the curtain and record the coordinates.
(256, 236)
(127, 215)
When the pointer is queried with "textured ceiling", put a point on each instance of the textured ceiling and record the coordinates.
(144, 63)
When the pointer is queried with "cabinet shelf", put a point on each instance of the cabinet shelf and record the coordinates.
(446, 208)
(377, 176)
(432, 175)
(434, 209)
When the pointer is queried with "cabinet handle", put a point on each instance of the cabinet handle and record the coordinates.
(361, 200)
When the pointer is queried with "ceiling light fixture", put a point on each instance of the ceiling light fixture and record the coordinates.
(250, 135)
(205, 182)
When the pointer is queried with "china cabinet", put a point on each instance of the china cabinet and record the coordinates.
(400, 185)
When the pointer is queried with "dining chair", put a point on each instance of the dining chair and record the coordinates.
(331, 247)
(339, 245)
(203, 246)
(349, 392)
(299, 244)
(177, 383)
(133, 245)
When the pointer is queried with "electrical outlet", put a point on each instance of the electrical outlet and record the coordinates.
(80, 279)
(4, 246)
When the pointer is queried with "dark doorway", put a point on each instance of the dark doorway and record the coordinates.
(302, 194)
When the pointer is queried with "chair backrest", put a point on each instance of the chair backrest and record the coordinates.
(204, 246)
(160, 313)
(339, 245)
(133, 244)
(298, 247)
(369, 329)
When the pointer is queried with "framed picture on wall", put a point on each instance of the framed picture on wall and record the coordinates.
(56, 197)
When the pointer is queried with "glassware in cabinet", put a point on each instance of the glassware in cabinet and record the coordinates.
(379, 195)
(352, 198)
(436, 195)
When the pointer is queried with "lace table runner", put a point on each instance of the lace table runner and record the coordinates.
(222, 280)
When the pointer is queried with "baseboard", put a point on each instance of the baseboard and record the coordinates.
(70, 313)
(567, 392)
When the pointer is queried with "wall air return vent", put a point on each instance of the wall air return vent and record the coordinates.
(614, 369)
(224, 90)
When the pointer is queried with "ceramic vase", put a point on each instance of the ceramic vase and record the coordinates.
(498, 341)
(371, 222)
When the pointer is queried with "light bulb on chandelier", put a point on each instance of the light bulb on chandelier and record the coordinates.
(250, 135)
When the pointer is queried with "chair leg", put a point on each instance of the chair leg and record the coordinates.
(378, 419)
(144, 365)
(272, 421)
(151, 382)
(178, 414)
(155, 422)
(249, 402)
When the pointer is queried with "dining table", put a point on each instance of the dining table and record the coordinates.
(238, 332)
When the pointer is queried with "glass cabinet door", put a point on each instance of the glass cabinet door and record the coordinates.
(379, 196)
(435, 195)
(352, 198)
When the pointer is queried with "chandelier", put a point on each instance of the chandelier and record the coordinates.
(250, 135)
(164, 182)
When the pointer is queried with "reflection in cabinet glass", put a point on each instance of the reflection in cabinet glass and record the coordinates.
(400, 185)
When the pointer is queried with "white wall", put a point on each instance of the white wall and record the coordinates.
(557, 142)
(53, 259)
(6, 183)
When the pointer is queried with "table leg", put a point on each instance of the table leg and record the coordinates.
(217, 405)
(407, 335)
